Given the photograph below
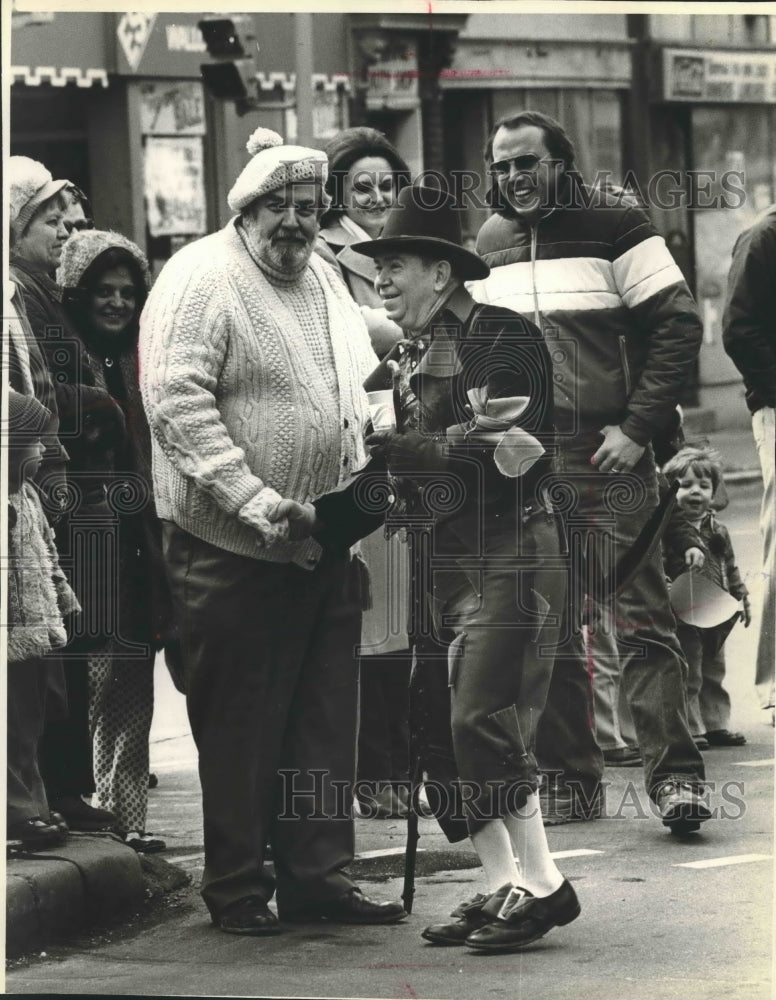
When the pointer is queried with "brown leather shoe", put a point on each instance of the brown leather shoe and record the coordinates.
(523, 918)
(250, 916)
(353, 907)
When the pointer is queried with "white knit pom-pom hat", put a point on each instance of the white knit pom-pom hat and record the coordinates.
(30, 184)
(273, 165)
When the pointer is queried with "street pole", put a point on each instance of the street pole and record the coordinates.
(303, 41)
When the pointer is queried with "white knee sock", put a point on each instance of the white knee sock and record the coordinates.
(538, 871)
(494, 847)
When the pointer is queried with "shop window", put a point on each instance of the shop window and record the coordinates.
(50, 125)
(172, 118)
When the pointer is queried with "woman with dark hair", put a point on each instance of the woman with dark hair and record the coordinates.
(104, 279)
(366, 174)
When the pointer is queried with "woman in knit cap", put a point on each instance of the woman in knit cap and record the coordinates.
(104, 279)
(366, 174)
(38, 207)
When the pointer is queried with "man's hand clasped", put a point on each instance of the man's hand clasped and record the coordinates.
(407, 452)
(301, 518)
(618, 452)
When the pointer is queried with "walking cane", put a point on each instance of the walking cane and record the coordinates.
(411, 850)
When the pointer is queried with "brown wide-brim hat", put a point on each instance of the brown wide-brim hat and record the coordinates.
(425, 221)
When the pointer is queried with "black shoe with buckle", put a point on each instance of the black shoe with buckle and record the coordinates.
(682, 809)
(353, 907)
(250, 916)
(467, 917)
(523, 918)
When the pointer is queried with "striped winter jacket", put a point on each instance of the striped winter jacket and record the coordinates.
(620, 322)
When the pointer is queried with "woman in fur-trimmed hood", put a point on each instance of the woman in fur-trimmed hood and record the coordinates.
(104, 279)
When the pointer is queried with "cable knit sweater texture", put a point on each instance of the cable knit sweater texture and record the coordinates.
(233, 371)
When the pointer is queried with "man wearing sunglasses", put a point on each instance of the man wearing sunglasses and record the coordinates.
(623, 331)
(78, 214)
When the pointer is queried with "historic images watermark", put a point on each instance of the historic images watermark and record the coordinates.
(312, 795)
(664, 190)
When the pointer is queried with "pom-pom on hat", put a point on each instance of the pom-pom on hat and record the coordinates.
(84, 247)
(30, 185)
(273, 165)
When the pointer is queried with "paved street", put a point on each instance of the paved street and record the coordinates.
(661, 917)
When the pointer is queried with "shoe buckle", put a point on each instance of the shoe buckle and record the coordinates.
(513, 899)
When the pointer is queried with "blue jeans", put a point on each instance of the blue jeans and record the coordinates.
(606, 512)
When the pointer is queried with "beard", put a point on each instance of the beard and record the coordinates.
(291, 257)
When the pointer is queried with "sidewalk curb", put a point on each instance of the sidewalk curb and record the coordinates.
(53, 894)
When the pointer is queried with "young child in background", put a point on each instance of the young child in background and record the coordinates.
(700, 477)
(38, 599)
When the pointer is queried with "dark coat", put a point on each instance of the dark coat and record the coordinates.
(114, 455)
(612, 303)
(103, 424)
(749, 320)
(467, 346)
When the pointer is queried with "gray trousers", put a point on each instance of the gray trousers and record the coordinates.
(272, 693)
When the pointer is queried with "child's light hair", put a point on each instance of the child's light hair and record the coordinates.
(702, 462)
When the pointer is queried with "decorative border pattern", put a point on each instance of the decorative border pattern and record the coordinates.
(287, 81)
(89, 77)
(58, 77)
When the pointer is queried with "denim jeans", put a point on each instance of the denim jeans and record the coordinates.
(606, 512)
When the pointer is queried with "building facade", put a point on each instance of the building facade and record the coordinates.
(681, 106)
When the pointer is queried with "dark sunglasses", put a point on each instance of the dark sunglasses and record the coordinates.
(78, 226)
(523, 164)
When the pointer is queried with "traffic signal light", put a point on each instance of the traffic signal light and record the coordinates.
(233, 77)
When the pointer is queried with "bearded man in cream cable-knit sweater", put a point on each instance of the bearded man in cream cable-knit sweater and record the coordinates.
(252, 359)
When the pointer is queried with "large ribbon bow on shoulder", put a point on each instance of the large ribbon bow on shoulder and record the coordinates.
(494, 423)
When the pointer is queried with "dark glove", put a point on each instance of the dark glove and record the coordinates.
(104, 423)
(408, 452)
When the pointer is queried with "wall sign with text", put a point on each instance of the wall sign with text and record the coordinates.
(719, 76)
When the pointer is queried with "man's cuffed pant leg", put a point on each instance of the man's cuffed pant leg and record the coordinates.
(313, 835)
(243, 636)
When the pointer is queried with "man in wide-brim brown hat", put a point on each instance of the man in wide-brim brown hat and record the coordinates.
(470, 455)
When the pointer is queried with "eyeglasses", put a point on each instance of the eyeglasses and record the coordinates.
(79, 225)
(524, 164)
